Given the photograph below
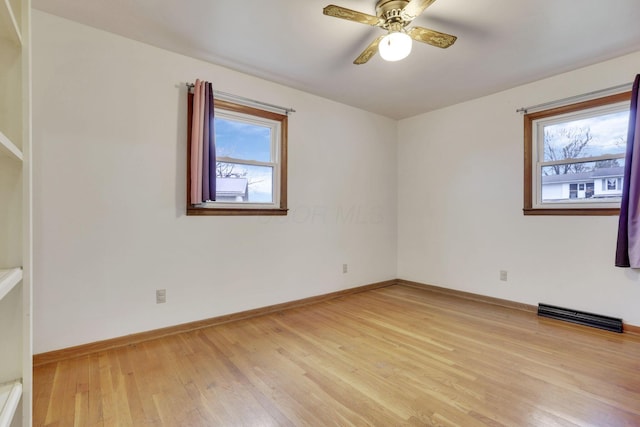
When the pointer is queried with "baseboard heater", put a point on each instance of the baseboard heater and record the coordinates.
(588, 319)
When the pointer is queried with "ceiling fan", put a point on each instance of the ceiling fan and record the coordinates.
(393, 16)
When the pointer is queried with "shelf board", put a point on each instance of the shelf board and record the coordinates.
(9, 279)
(10, 394)
(8, 148)
(9, 28)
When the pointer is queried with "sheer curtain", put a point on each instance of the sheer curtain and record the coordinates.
(628, 247)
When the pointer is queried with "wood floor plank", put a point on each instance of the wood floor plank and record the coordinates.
(392, 356)
(42, 394)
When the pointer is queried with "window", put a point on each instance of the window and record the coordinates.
(574, 157)
(573, 191)
(251, 162)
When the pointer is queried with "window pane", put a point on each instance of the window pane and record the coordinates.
(242, 140)
(238, 183)
(583, 182)
(588, 137)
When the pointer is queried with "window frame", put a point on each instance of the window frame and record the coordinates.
(530, 145)
(280, 169)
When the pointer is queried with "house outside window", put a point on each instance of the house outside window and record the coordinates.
(613, 184)
(574, 157)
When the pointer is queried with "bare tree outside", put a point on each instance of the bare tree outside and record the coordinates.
(578, 140)
(609, 163)
(576, 143)
(229, 170)
(232, 170)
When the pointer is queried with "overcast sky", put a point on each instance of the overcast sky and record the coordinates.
(609, 134)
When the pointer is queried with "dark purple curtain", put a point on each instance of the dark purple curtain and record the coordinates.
(628, 247)
(206, 193)
(212, 145)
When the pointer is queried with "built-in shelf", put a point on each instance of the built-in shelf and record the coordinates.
(16, 351)
(9, 279)
(10, 394)
(9, 28)
(8, 148)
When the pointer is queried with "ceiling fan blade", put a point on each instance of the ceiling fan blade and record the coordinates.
(434, 38)
(351, 15)
(368, 52)
(415, 8)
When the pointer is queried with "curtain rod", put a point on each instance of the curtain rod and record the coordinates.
(577, 98)
(247, 101)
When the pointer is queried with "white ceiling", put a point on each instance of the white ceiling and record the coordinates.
(501, 43)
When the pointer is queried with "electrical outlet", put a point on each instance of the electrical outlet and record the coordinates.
(345, 268)
(161, 296)
(503, 275)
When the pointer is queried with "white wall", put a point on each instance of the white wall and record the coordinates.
(109, 179)
(460, 203)
(109, 195)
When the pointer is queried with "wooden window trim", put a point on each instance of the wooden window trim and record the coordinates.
(529, 145)
(281, 210)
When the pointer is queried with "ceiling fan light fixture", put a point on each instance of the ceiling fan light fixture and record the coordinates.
(395, 46)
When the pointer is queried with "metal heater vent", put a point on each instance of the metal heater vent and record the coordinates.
(582, 318)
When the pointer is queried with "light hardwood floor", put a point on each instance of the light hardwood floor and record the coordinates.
(387, 357)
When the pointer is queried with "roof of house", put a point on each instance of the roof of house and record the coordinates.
(584, 176)
(231, 186)
(604, 172)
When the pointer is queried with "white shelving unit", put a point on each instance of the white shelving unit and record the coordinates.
(9, 22)
(15, 214)
(8, 280)
(10, 395)
(9, 149)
